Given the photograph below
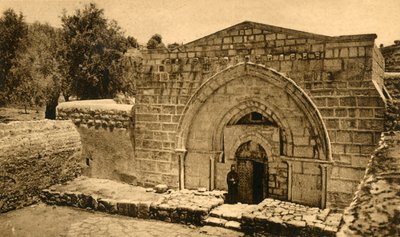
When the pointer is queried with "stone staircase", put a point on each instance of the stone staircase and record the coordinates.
(277, 218)
(228, 215)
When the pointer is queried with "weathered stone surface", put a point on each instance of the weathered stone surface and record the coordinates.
(391, 55)
(232, 225)
(105, 129)
(285, 218)
(109, 196)
(232, 211)
(375, 207)
(186, 206)
(214, 221)
(161, 188)
(35, 155)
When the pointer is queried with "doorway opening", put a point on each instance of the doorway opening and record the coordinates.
(252, 169)
(258, 177)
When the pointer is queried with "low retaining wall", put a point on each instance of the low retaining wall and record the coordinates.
(188, 207)
(289, 219)
(107, 137)
(33, 156)
(140, 209)
(375, 208)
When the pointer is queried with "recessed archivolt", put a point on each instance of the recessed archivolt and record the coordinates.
(268, 75)
(255, 137)
(246, 107)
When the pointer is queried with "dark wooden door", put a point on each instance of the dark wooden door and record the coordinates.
(245, 171)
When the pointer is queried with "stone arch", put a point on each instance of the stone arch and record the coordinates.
(268, 75)
(245, 107)
(255, 137)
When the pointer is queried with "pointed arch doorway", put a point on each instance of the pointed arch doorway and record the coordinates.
(252, 169)
(222, 114)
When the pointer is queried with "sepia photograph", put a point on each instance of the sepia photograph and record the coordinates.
(189, 118)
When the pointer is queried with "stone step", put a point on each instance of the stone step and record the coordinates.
(214, 221)
(231, 212)
(234, 225)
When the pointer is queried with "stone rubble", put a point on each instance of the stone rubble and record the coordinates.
(161, 188)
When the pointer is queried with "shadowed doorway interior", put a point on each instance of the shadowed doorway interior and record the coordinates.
(252, 170)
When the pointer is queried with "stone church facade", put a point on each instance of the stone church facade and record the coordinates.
(299, 114)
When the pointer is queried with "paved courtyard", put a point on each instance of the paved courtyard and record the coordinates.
(47, 221)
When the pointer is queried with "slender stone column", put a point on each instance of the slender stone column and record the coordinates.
(324, 171)
(290, 168)
(221, 157)
(181, 153)
(212, 173)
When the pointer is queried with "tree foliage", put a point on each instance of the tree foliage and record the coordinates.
(132, 42)
(36, 73)
(13, 30)
(84, 58)
(155, 42)
(31, 72)
(93, 48)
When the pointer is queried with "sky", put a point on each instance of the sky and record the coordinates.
(183, 21)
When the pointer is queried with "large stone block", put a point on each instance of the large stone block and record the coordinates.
(344, 136)
(99, 145)
(303, 151)
(311, 168)
(363, 137)
(333, 65)
(370, 102)
(352, 174)
(371, 124)
(306, 189)
(348, 101)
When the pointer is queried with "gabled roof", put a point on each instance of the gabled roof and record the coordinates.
(276, 29)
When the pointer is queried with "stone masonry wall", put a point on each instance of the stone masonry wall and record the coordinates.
(35, 155)
(355, 126)
(107, 137)
(392, 56)
(392, 83)
(336, 72)
(374, 210)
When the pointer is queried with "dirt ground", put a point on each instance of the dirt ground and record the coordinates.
(41, 220)
(108, 189)
(8, 114)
